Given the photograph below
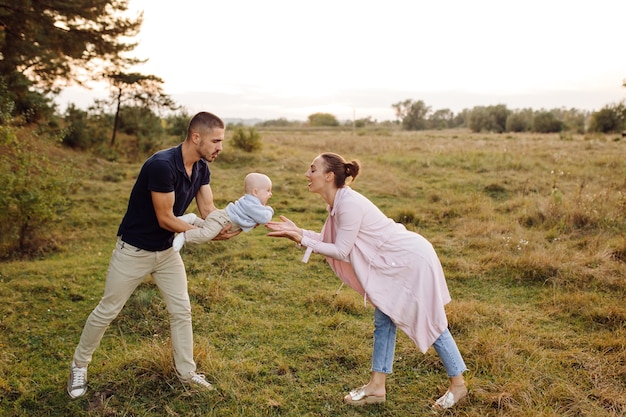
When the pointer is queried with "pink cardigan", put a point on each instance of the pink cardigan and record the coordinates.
(396, 269)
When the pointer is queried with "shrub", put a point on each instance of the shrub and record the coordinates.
(32, 196)
(609, 119)
(489, 119)
(247, 140)
(546, 122)
(323, 119)
(519, 121)
(281, 122)
(177, 124)
(77, 132)
(139, 121)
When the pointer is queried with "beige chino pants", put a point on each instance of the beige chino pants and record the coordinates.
(128, 268)
(207, 229)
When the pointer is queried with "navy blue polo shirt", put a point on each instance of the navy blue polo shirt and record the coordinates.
(163, 172)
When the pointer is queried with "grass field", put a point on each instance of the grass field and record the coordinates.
(531, 231)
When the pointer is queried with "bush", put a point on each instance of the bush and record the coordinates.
(546, 122)
(323, 119)
(489, 119)
(32, 197)
(6, 105)
(77, 131)
(281, 122)
(247, 140)
(609, 119)
(520, 121)
(177, 124)
(139, 121)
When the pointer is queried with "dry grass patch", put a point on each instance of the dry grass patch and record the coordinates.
(530, 230)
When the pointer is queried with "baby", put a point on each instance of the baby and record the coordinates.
(244, 214)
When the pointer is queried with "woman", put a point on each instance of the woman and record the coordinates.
(395, 269)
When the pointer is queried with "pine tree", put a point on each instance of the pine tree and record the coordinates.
(45, 44)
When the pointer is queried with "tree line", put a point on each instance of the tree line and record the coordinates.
(416, 115)
(47, 44)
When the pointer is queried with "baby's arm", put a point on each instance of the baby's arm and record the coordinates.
(262, 215)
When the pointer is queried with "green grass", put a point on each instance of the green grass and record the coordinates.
(530, 230)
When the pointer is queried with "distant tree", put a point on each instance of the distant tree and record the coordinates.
(323, 119)
(47, 43)
(281, 122)
(460, 119)
(401, 108)
(479, 119)
(499, 114)
(139, 121)
(413, 114)
(573, 119)
(609, 119)
(177, 124)
(143, 124)
(490, 118)
(360, 123)
(138, 90)
(441, 119)
(546, 122)
(519, 121)
(77, 133)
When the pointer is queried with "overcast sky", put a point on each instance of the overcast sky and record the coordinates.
(287, 58)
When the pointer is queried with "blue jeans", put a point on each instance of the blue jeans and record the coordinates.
(385, 345)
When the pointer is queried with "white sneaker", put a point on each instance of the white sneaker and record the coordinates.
(179, 241)
(77, 382)
(198, 381)
(189, 218)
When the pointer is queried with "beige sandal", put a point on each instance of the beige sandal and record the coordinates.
(357, 397)
(448, 401)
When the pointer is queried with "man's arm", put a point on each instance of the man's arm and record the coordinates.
(204, 200)
(164, 208)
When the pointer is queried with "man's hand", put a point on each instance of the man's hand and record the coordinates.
(225, 235)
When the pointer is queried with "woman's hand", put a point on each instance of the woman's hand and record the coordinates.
(285, 228)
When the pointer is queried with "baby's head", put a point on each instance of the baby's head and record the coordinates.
(259, 185)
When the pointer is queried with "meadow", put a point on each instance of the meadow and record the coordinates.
(530, 229)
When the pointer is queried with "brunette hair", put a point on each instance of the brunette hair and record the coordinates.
(342, 169)
(204, 121)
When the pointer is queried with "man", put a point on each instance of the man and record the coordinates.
(167, 183)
